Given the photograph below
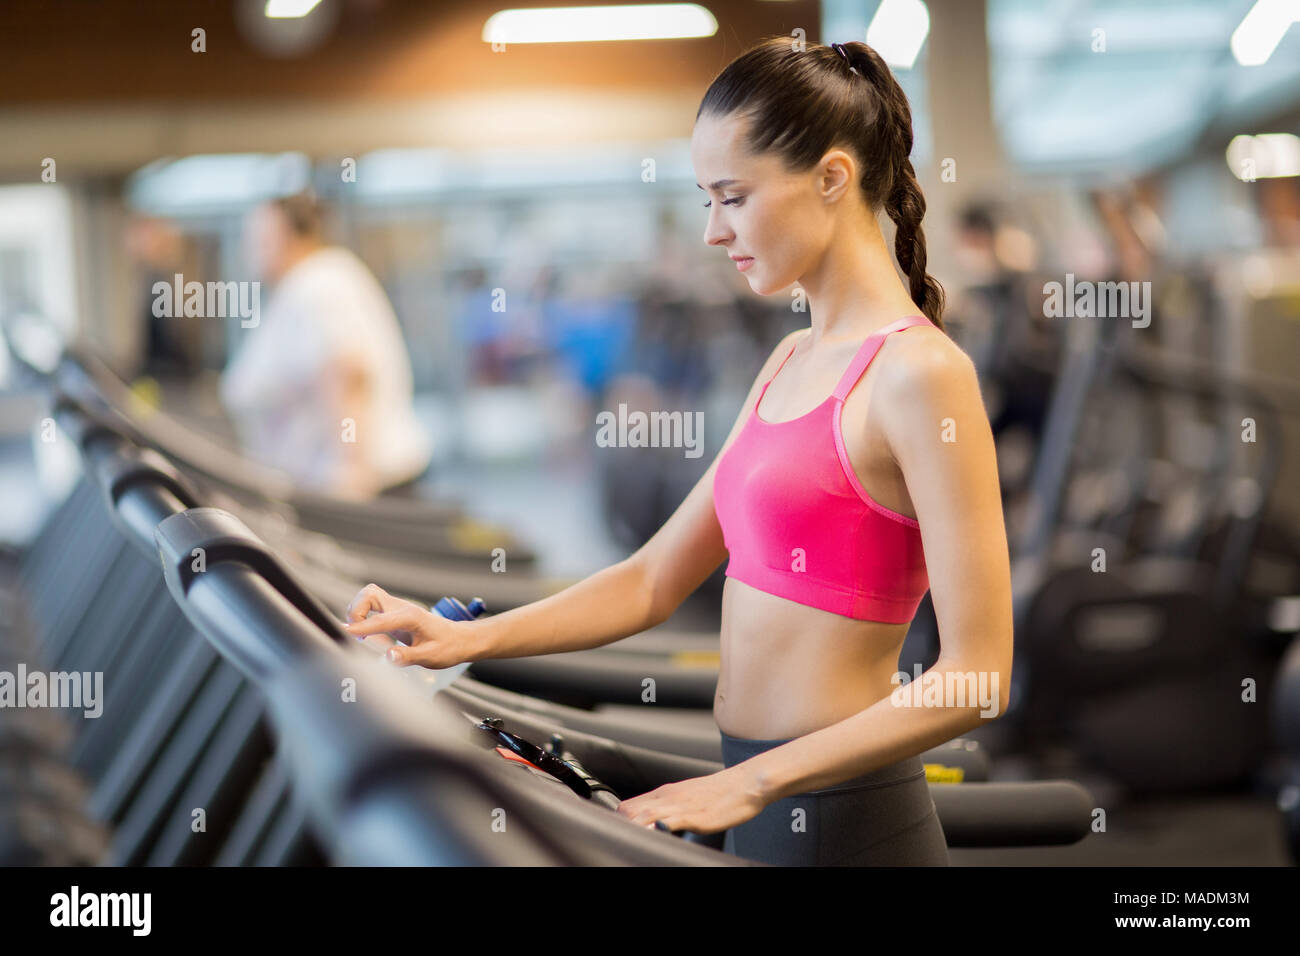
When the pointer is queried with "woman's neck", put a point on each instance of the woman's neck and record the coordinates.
(855, 290)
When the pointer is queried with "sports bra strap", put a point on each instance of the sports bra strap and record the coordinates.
(773, 377)
(868, 351)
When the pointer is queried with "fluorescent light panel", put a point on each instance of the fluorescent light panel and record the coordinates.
(898, 30)
(1262, 29)
(288, 9)
(644, 21)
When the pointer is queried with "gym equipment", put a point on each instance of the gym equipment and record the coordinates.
(209, 703)
(1141, 667)
(321, 556)
(663, 729)
(42, 821)
(1285, 724)
(412, 528)
(589, 677)
(404, 785)
(252, 611)
(1064, 804)
(193, 739)
(199, 740)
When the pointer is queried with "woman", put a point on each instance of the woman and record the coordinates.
(837, 516)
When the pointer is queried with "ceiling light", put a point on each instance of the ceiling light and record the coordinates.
(1266, 156)
(1262, 29)
(646, 21)
(898, 30)
(289, 9)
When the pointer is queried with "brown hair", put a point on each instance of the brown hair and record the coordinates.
(802, 104)
(305, 214)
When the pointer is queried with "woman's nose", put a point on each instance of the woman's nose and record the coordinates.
(714, 234)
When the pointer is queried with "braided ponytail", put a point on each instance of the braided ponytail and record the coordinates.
(903, 200)
(906, 207)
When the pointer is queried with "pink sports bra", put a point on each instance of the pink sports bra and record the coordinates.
(797, 521)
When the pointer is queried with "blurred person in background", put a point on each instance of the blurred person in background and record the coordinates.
(500, 342)
(172, 344)
(1014, 351)
(322, 386)
(978, 301)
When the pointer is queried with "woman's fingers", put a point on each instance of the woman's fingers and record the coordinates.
(394, 618)
(428, 654)
(370, 598)
(401, 655)
(400, 619)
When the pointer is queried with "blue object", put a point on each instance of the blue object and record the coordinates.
(453, 610)
(591, 336)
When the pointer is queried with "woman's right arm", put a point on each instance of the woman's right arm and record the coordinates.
(626, 598)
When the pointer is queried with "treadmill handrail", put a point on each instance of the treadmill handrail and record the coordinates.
(87, 377)
(88, 380)
(139, 486)
(220, 537)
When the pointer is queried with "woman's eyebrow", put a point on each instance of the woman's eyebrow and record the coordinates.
(719, 184)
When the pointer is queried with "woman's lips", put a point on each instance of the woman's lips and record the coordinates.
(745, 263)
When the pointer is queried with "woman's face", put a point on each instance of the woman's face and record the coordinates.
(781, 220)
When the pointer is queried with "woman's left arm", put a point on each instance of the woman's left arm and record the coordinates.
(938, 432)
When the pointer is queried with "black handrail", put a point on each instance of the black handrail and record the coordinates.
(88, 379)
(139, 486)
(353, 759)
(236, 593)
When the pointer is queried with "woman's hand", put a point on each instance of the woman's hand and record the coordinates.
(706, 804)
(434, 641)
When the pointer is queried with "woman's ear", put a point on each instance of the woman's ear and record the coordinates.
(837, 173)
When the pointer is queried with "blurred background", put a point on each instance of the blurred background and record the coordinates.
(531, 212)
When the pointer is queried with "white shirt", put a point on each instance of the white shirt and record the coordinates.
(276, 388)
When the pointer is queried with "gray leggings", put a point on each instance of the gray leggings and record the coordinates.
(882, 818)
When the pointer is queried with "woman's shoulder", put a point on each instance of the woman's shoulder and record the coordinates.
(926, 361)
(783, 349)
(791, 340)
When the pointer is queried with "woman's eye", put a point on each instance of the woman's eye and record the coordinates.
(725, 202)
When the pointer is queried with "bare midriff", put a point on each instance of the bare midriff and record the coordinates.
(788, 669)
